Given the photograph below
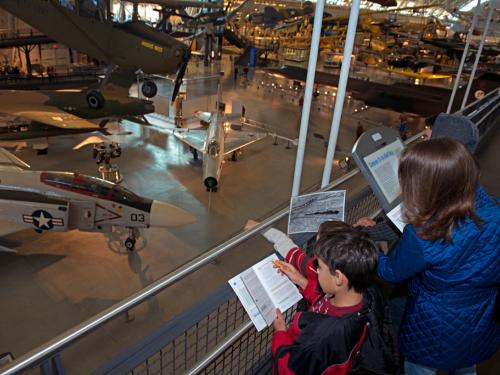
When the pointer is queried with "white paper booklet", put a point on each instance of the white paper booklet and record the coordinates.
(261, 290)
(397, 217)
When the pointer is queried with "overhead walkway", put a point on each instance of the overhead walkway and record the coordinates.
(58, 81)
(215, 335)
(22, 38)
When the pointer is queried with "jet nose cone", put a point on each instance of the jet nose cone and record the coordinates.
(167, 215)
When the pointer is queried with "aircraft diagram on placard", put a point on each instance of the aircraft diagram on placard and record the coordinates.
(52, 113)
(62, 201)
(129, 50)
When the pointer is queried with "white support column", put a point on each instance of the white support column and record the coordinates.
(339, 99)
(493, 4)
(311, 73)
(464, 55)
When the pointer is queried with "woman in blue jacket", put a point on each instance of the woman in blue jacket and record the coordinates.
(450, 254)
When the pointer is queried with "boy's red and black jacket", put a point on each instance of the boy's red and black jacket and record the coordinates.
(315, 342)
(305, 264)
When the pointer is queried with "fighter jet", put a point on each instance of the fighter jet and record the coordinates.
(62, 201)
(53, 113)
(220, 139)
(134, 47)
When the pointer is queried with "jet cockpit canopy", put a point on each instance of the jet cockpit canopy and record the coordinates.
(213, 148)
(94, 187)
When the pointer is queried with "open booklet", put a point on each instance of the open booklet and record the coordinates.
(261, 290)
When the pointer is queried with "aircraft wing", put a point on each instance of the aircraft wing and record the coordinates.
(6, 228)
(195, 138)
(419, 75)
(236, 139)
(56, 118)
(203, 116)
(10, 161)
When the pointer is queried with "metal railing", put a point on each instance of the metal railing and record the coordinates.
(218, 338)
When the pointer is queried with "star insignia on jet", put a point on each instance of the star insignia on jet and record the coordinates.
(43, 220)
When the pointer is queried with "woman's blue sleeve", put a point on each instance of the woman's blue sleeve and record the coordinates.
(404, 261)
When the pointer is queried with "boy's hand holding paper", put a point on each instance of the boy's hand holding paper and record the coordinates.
(291, 272)
(279, 323)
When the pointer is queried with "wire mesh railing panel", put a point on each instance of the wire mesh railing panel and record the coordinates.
(365, 204)
(248, 355)
(187, 349)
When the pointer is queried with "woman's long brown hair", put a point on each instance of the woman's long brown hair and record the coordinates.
(438, 181)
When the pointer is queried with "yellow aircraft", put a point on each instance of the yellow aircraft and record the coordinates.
(410, 74)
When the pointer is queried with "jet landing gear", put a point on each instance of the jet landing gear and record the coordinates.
(235, 154)
(195, 153)
(133, 234)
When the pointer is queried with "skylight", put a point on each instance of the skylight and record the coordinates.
(469, 6)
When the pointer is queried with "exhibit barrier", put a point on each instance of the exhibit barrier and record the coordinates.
(214, 336)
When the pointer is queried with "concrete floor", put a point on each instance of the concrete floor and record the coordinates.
(57, 280)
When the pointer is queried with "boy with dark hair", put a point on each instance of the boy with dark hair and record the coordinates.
(347, 323)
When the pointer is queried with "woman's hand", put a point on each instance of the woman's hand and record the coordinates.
(279, 322)
(365, 222)
(292, 273)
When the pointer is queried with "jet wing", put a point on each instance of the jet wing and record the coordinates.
(203, 116)
(236, 139)
(10, 161)
(7, 227)
(56, 118)
(195, 138)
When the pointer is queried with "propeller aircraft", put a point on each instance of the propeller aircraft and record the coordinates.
(134, 47)
(54, 113)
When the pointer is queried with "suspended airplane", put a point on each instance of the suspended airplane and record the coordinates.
(62, 201)
(454, 47)
(270, 17)
(54, 113)
(398, 96)
(220, 139)
(178, 8)
(134, 47)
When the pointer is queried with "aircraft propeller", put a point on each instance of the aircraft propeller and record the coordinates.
(180, 74)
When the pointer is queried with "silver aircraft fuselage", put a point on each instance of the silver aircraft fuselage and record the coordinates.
(214, 151)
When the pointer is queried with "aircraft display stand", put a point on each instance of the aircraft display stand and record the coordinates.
(104, 153)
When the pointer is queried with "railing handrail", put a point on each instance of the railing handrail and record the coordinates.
(55, 345)
(478, 100)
